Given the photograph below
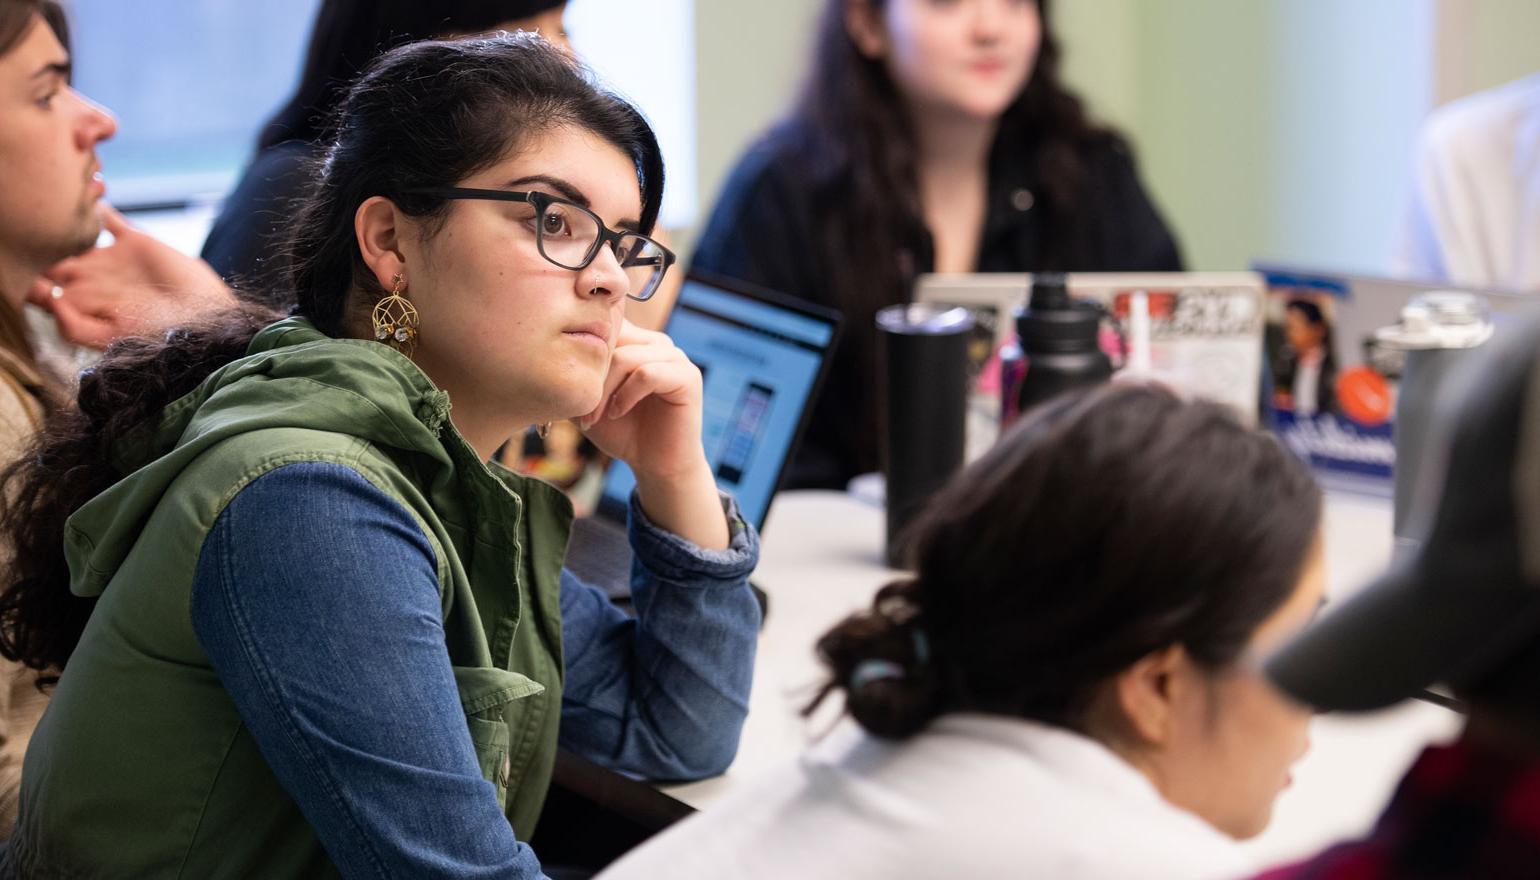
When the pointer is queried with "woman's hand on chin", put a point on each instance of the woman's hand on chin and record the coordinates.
(650, 417)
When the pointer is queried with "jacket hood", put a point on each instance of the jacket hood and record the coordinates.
(292, 376)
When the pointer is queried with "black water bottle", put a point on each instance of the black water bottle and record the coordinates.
(1059, 338)
(923, 350)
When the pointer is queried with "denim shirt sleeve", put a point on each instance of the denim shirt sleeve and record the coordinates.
(664, 694)
(317, 602)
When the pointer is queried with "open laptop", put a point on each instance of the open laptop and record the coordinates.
(1205, 331)
(1347, 433)
(763, 357)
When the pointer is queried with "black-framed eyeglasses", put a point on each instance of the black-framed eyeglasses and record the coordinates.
(569, 235)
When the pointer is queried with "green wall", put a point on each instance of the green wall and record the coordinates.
(1181, 80)
(749, 59)
(1504, 41)
(1277, 129)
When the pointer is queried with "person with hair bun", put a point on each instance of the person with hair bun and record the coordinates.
(1067, 686)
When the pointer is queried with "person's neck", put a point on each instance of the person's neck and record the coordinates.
(484, 423)
(16, 278)
(485, 420)
(485, 436)
(952, 148)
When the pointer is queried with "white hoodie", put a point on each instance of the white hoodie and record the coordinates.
(970, 796)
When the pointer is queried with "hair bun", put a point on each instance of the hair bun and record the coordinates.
(881, 659)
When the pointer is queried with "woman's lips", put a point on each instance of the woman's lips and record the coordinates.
(597, 333)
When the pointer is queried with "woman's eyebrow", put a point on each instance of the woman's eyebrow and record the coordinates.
(571, 194)
(566, 189)
(61, 69)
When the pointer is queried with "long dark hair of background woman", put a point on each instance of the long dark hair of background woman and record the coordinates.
(827, 207)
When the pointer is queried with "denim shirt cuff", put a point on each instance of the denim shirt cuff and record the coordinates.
(675, 559)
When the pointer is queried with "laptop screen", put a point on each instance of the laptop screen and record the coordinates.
(762, 358)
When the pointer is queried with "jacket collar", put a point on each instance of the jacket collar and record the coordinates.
(293, 376)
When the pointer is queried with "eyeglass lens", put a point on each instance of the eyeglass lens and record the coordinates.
(569, 236)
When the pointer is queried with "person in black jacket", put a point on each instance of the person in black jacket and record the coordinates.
(929, 138)
(245, 243)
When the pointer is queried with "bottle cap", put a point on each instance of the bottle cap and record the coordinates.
(924, 319)
(1439, 319)
(1053, 322)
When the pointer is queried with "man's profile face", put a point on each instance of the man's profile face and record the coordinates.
(49, 174)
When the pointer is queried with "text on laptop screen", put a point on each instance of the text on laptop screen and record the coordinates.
(760, 362)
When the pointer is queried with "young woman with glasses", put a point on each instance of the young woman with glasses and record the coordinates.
(304, 627)
(931, 137)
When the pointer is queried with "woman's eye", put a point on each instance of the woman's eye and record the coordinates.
(553, 224)
(47, 100)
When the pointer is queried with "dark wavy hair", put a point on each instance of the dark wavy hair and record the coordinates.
(424, 115)
(1103, 527)
(348, 34)
(851, 128)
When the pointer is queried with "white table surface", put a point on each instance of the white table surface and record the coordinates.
(822, 560)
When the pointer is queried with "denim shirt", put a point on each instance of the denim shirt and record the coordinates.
(317, 602)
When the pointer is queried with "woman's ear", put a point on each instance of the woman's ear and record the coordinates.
(377, 225)
(863, 22)
(1150, 692)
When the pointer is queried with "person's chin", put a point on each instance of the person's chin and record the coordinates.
(581, 402)
(987, 104)
(89, 234)
(1252, 826)
(70, 244)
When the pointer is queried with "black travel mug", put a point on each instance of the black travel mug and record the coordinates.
(924, 356)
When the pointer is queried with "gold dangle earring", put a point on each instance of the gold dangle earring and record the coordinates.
(396, 320)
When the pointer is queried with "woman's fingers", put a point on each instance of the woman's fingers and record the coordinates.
(668, 380)
(40, 293)
(100, 299)
(638, 349)
(81, 327)
(113, 221)
(65, 272)
(630, 334)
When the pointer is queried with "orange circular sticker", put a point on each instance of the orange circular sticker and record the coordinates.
(1364, 396)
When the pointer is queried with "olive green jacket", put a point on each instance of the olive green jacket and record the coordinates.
(142, 766)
